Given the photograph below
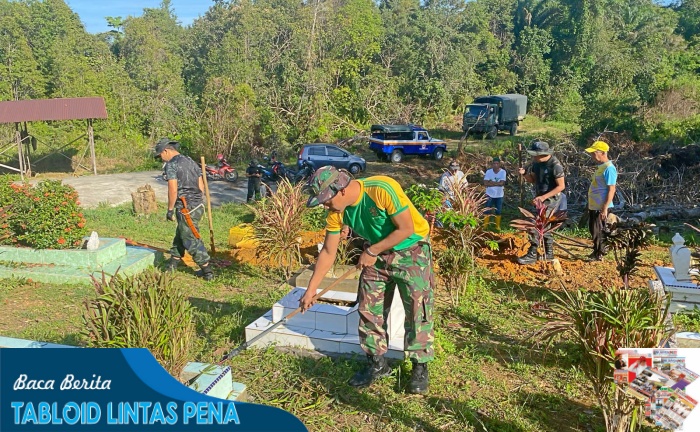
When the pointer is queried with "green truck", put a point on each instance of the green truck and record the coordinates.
(489, 114)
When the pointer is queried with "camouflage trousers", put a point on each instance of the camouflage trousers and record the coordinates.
(411, 271)
(186, 241)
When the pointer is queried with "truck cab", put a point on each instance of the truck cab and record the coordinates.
(489, 114)
(393, 142)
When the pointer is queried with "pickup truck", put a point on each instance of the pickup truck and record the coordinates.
(393, 142)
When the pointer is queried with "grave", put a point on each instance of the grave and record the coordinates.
(208, 379)
(75, 266)
(677, 282)
(329, 326)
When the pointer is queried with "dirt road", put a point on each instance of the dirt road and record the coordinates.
(115, 189)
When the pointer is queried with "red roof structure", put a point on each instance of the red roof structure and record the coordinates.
(53, 109)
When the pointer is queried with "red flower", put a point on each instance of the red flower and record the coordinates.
(61, 241)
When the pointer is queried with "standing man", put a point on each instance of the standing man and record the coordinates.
(397, 255)
(600, 196)
(494, 180)
(185, 205)
(452, 178)
(547, 174)
(254, 179)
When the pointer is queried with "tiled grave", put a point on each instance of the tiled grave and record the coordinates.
(325, 327)
(75, 266)
(685, 295)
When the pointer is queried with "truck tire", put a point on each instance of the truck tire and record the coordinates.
(513, 129)
(396, 156)
(438, 153)
(492, 133)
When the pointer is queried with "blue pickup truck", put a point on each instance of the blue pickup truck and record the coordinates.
(393, 142)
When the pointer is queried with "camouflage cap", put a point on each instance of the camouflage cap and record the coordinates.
(326, 182)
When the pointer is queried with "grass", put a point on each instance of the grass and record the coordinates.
(486, 376)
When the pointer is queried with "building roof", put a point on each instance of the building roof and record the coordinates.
(53, 109)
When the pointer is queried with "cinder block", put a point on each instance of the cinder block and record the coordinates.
(353, 321)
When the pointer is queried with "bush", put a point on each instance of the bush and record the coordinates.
(142, 311)
(278, 225)
(46, 216)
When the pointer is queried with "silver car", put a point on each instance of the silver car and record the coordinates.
(318, 155)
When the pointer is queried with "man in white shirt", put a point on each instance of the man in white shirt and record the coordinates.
(452, 179)
(494, 180)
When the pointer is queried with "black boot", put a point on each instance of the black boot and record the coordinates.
(530, 257)
(205, 272)
(377, 368)
(419, 378)
(172, 264)
(548, 249)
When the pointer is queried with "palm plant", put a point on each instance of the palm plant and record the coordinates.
(427, 200)
(626, 239)
(600, 323)
(542, 222)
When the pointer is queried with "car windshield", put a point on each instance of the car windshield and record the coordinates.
(476, 111)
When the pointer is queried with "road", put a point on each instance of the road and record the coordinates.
(115, 189)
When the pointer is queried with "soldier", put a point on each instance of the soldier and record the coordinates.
(185, 204)
(547, 174)
(396, 255)
(254, 174)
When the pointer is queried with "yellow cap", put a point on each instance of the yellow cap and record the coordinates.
(598, 146)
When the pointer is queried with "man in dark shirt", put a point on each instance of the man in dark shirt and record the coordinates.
(254, 174)
(547, 175)
(185, 204)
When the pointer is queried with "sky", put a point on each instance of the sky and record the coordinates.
(93, 13)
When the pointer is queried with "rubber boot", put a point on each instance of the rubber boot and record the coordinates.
(487, 220)
(377, 368)
(419, 378)
(172, 264)
(548, 249)
(530, 257)
(205, 272)
(498, 222)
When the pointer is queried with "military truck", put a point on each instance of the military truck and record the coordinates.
(489, 114)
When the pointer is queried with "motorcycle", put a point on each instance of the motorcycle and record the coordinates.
(304, 173)
(221, 171)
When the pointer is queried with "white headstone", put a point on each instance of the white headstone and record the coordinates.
(680, 258)
(93, 242)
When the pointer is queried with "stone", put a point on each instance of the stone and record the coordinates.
(680, 257)
(93, 243)
(144, 200)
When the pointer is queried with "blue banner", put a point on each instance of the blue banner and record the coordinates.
(115, 390)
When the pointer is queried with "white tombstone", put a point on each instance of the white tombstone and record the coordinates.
(680, 258)
(93, 242)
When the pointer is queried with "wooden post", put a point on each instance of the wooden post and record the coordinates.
(91, 143)
(206, 190)
(20, 153)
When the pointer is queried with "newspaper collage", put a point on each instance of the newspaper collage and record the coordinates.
(660, 378)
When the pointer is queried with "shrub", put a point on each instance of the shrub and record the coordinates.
(278, 224)
(626, 239)
(46, 216)
(600, 323)
(315, 219)
(142, 311)
(454, 268)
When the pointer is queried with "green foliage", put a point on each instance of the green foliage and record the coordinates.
(278, 226)
(427, 200)
(455, 267)
(46, 216)
(143, 311)
(626, 239)
(315, 218)
(600, 323)
(687, 320)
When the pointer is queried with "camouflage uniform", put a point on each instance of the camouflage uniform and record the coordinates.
(411, 271)
(187, 173)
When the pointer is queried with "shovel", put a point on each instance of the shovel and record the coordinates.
(245, 345)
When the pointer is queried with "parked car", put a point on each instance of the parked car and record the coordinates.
(318, 155)
(393, 142)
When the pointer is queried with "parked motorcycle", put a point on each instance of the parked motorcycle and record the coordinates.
(304, 173)
(221, 171)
